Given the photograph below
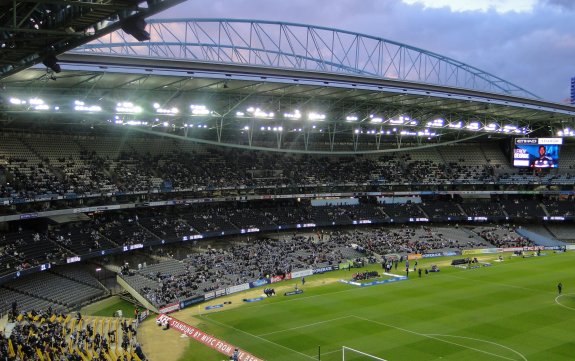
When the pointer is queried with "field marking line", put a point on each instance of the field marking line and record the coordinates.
(480, 340)
(330, 352)
(562, 305)
(435, 338)
(256, 336)
(304, 326)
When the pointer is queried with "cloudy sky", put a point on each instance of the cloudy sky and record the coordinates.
(530, 43)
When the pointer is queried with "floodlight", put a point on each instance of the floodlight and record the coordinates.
(473, 126)
(35, 101)
(172, 111)
(436, 123)
(315, 116)
(199, 109)
(491, 127)
(351, 118)
(16, 101)
(128, 107)
(295, 115)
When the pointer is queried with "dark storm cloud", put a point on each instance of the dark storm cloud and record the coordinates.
(567, 4)
(534, 50)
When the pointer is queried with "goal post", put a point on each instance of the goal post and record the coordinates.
(351, 354)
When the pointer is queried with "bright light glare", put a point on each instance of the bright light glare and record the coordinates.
(171, 111)
(491, 127)
(199, 109)
(258, 113)
(436, 123)
(315, 116)
(473, 126)
(295, 115)
(36, 101)
(127, 107)
(351, 118)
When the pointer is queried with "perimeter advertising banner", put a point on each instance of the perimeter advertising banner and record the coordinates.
(304, 273)
(238, 288)
(170, 308)
(480, 251)
(275, 279)
(208, 340)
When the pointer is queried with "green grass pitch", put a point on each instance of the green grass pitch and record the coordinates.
(509, 311)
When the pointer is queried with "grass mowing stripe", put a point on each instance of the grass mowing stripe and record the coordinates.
(511, 303)
(304, 326)
(437, 338)
(485, 341)
(562, 305)
(256, 336)
(498, 284)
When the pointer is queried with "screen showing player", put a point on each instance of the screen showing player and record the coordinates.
(536, 155)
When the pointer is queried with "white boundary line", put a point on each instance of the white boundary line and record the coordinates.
(438, 339)
(480, 340)
(256, 336)
(304, 326)
(562, 305)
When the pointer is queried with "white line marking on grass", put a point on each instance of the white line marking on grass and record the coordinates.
(329, 352)
(304, 326)
(562, 305)
(256, 336)
(436, 338)
(480, 340)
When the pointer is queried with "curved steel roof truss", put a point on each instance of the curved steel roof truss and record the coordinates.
(301, 47)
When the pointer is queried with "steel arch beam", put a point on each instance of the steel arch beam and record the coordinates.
(301, 47)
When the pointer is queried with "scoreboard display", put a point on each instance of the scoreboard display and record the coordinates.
(537, 152)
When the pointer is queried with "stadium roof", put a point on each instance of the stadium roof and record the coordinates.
(34, 31)
(293, 104)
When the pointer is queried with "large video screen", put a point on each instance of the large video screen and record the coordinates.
(537, 152)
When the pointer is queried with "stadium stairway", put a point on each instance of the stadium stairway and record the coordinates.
(539, 239)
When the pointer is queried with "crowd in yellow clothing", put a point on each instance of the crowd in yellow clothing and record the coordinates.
(72, 337)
